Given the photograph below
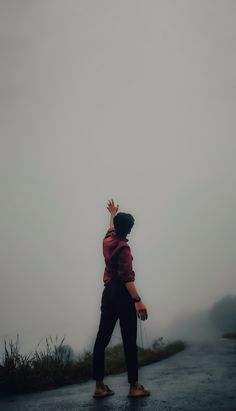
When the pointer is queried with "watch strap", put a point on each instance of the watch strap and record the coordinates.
(136, 299)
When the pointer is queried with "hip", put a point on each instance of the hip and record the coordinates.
(117, 292)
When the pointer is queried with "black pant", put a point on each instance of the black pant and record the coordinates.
(117, 303)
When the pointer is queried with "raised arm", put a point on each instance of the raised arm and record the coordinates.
(113, 210)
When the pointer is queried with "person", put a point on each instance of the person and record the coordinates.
(120, 300)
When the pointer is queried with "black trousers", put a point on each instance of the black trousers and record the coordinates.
(116, 304)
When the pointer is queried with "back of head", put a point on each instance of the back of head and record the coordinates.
(123, 222)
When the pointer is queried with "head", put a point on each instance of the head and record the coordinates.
(123, 223)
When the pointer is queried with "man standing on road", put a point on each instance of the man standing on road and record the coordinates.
(120, 300)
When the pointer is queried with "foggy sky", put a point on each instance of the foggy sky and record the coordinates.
(130, 100)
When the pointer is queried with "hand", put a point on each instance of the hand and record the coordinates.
(111, 207)
(141, 310)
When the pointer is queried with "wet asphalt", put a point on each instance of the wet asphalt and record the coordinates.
(200, 378)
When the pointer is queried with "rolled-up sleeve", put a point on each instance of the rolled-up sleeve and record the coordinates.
(125, 267)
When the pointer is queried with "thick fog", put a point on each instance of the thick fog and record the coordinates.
(130, 100)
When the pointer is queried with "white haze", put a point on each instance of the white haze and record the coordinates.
(130, 100)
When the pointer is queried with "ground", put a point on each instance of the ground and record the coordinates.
(200, 378)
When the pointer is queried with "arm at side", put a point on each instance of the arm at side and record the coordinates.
(132, 289)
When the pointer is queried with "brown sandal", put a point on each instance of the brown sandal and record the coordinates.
(138, 391)
(104, 393)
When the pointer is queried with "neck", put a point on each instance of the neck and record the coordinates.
(121, 235)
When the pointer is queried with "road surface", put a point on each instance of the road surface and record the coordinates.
(200, 378)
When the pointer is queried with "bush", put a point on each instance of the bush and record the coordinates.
(223, 314)
(229, 335)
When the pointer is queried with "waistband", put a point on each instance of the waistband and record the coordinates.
(113, 282)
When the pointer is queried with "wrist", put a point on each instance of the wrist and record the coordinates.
(136, 298)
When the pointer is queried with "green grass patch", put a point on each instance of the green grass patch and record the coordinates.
(56, 365)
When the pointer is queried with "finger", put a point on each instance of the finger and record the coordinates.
(144, 315)
(141, 314)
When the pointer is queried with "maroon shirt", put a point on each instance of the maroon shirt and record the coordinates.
(118, 258)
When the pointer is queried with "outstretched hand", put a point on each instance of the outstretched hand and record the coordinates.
(111, 207)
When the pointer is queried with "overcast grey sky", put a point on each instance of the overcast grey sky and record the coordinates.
(130, 100)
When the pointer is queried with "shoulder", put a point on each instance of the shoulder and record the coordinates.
(109, 232)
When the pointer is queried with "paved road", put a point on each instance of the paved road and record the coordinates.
(200, 378)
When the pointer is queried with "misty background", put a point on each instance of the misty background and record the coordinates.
(129, 100)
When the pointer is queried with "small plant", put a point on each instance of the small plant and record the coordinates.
(55, 355)
(158, 343)
(12, 358)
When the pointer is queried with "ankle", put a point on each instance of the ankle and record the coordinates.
(133, 384)
(99, 384)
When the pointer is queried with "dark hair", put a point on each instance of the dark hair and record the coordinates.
(123, 222)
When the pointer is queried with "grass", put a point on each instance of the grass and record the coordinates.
(56, 365)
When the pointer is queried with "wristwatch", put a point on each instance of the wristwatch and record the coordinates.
(136, 299)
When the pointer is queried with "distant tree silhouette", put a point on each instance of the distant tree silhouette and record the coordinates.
(223, 314)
